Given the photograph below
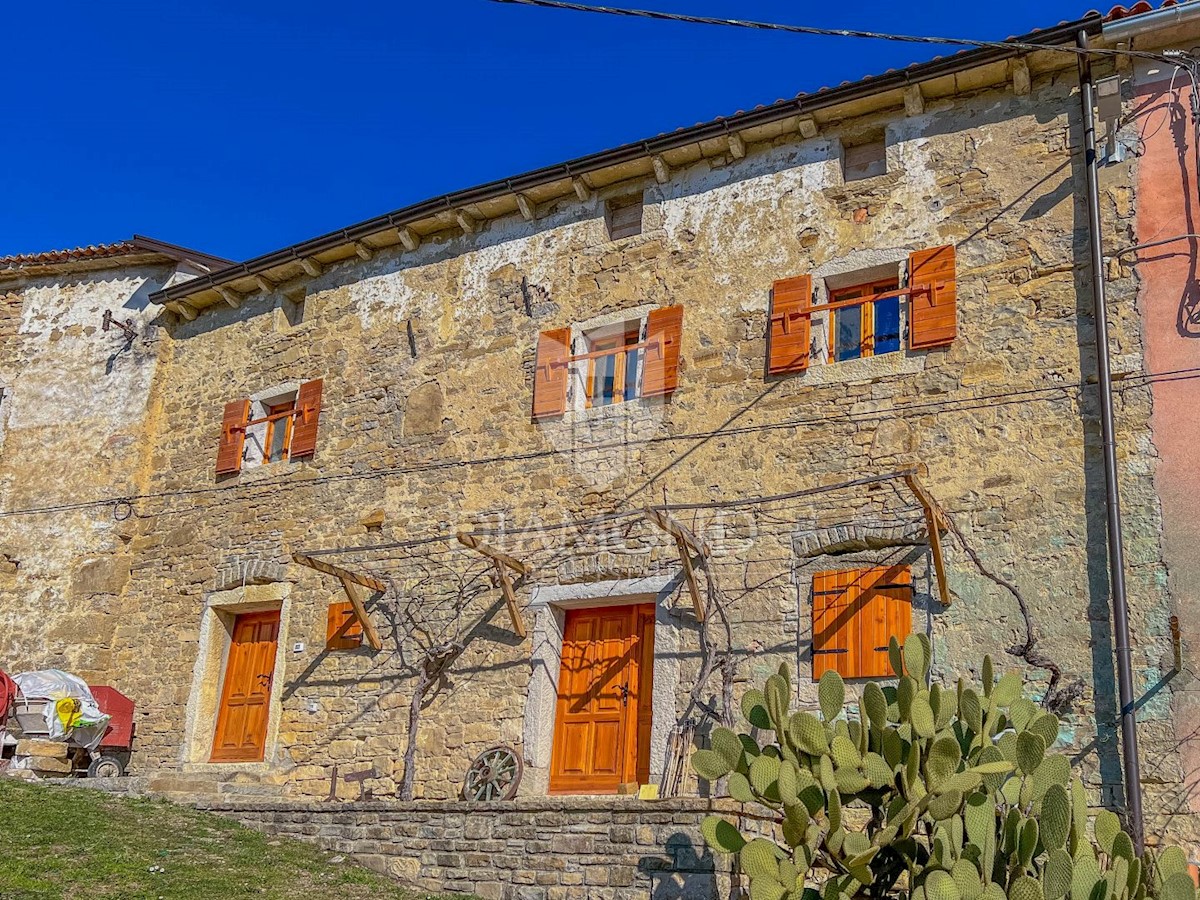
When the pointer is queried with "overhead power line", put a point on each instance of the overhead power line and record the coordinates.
(952, 406)
(822, 32)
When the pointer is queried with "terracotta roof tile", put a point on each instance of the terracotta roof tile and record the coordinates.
(50, 257)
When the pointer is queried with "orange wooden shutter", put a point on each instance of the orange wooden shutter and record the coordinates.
(338, 616)
(856, 612)
(308, 414)
(233, 436)
(831, 633)
(932, 314)
(664, 332)
(550, 373)
(790, 332)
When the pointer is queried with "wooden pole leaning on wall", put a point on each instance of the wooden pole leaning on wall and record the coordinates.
(935, 524)
(502, 562)
(687, 543)
(351, 582)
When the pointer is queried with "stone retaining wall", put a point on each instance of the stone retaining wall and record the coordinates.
(537, 849)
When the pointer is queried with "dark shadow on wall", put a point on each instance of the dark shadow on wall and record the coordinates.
(1104, 697)
(685, 870)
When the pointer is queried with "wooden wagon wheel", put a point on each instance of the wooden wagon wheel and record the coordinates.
(494, 774)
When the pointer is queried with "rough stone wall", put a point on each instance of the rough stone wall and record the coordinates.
(434, 431)
(72, 429)
(547, 849)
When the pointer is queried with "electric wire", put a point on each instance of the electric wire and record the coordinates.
(661, 16)
(1046, 393)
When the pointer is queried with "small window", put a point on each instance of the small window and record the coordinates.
(614, 353)
(869, 328)
(343, 631)
(864, 160)
(855, 614)
(279, 419)
(623, 216)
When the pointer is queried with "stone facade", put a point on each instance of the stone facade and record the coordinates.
(427, 357)
(542, 849)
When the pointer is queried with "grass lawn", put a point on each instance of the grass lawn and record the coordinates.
(60, 842)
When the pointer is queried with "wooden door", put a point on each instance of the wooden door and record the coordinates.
(602, 722)
(246, 693)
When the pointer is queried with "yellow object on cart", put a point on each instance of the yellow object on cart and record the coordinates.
(68, 711)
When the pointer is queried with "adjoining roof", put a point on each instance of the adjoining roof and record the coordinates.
(585, 174)
(95, 255)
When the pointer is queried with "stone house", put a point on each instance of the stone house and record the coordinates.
(595, 448)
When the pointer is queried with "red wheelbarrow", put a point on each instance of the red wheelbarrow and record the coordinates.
(110, 757)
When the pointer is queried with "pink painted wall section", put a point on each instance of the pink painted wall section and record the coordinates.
(1168, 205)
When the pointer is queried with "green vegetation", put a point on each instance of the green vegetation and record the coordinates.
(57, 842)
(922, 793)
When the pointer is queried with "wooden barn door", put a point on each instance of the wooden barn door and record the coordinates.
(602, 722)
(246, 694)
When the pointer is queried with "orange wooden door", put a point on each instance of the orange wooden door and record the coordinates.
(602, 723)
(246, 694)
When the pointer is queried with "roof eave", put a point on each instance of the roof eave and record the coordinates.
(639, 150)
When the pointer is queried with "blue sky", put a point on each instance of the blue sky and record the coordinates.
(241, 127)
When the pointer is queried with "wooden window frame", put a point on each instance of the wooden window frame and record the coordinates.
(278, 413)
(618, 346)
(841, 298)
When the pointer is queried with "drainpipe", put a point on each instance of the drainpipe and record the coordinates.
(1116, 548)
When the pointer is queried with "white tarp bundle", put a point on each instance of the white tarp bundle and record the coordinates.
(86, 726)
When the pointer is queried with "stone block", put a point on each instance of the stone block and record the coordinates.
(42, 748)
(47, 765)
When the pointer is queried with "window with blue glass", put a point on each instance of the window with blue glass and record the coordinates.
(869, 328)
(613, 355)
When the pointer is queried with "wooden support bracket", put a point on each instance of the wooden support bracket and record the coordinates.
(935, 524)
(503, 562)
(687, 543)
(351, 581)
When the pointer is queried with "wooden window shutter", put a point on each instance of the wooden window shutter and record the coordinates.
(790, 333)
(856, 612)
(664, 329)
(343, 631)
(550, 373)
(932, 314)
(233, 436)
(308, 414)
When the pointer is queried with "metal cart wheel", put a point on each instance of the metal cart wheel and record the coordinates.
(106, 765)
(494, 774)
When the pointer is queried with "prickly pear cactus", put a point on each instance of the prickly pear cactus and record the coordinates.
(961, 797)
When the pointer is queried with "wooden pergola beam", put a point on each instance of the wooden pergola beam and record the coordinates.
(686, 542)
(503, 562)
(469, 540)
(935, 524)
(351, 582)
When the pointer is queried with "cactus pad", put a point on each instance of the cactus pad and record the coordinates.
(808, 734)
(831, 693)
(1055, 817)
(721, 835)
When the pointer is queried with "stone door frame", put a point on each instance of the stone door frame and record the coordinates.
(216, 633)
(549, 606)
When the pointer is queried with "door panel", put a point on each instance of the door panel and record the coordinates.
(246, 693)
(599, 737)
